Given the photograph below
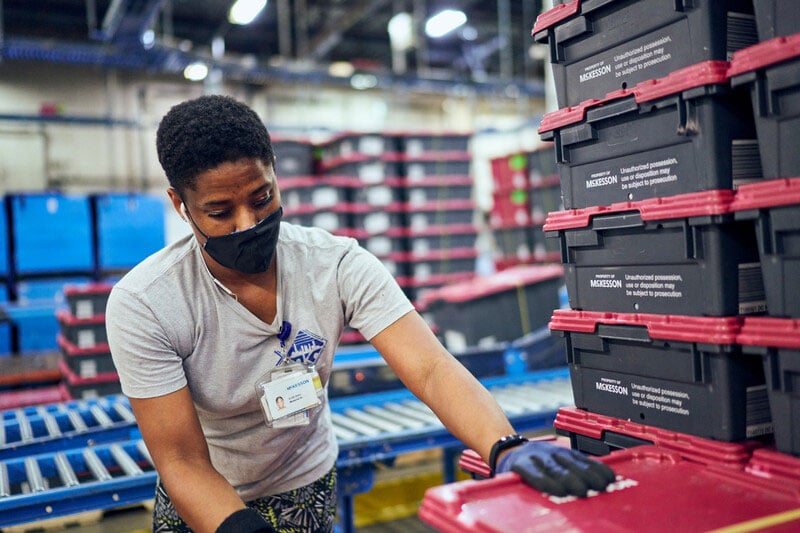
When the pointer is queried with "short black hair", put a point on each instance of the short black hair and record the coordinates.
(202, 133)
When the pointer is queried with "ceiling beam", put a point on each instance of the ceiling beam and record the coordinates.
(126, 20)
(338, 25)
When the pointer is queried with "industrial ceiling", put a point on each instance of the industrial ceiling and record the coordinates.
(289, 40)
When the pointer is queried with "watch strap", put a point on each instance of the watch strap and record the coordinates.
(502, 444)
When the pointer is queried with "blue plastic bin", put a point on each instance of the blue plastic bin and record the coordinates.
(3, 239)
(52, 232)
(5, 326)
(130, 227)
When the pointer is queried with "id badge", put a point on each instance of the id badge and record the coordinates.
(288, 394)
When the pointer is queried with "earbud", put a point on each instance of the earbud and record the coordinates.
(184, 215)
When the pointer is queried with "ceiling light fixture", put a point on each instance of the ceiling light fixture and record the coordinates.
(444, 22)
(196, 71)
(245, 11)
(401, 31)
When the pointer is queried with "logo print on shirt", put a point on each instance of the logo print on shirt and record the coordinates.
(306, 348)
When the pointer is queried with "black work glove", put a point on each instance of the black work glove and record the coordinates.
(245, 521)
(556, 470)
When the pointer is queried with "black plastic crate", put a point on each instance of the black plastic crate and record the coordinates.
(293, 158)
(319, 192)
(351, 144)
(424, 266)
(367, 169)
(377, 220)
(420, 169)
(500, 307)
(683, 133)
(444, 189)
(333, 219)
(434, 214)
(86, 362)
(775, 207)
(87, 300)
(597, 434)
(541, 164)
(390, 191)
(682, 255)
(545, 198)
(442, 237)
(776, 18)
(513, 241)
(772, 72)
(680, 373)
(599, 46)
(777, 340)
(86, 332)
(419, 144)
(79, 388)
(382, 244)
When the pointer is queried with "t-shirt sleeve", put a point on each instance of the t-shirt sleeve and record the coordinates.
(371, 297)
(147, 364)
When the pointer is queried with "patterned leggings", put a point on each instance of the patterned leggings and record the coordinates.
(304, 510)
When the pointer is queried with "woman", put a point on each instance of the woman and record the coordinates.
(208, 332)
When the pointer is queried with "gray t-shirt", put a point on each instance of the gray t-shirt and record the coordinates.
(170, 324)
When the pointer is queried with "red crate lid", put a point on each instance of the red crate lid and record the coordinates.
(553, 16)
(442, 230)
(439, 255)
(694, 204)
(710, 330)
(705, 73)
(75, 380)
(433, 182)
(440, 205)
(435, 280)
(328, 164)
(65, 317)
(73, 350)
(482, 286)
(770, 331)
(91, 288)
(769, 463)
(770, 193)
(765, 54)
(705, 451)
(361, 233)
(656, 489)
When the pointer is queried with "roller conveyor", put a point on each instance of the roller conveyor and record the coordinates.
(75, 480)
(381, 426)
(52, 465)
(52, 427)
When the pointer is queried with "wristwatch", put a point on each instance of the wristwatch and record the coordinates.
(504, 443)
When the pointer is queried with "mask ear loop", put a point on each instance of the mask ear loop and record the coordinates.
(187, 218)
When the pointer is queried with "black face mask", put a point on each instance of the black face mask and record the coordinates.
(249, 251)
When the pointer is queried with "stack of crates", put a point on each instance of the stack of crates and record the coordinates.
(86, 365)
(651, 142)
(439, 210)
(5, 321)
(59, 239)
(51, 244)
(526, 189)
(510, 217)
(770, 70)
(405, 197)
